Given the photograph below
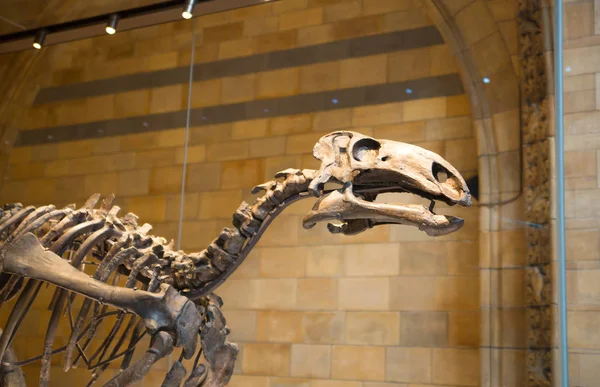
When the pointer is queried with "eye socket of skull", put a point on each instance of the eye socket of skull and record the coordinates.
(366, 150)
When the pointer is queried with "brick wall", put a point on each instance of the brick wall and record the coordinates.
(582, 150)
(390, 305)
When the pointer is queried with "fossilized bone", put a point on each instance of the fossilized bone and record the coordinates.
(169, 294)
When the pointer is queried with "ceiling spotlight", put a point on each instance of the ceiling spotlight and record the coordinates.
(111, 26)
(39, 39)
(486, 80)
(188, 10)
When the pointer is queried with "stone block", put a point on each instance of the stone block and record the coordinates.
(249, 381)
(580, 101)
(372, 328)
(423, 259)
(301, 143)
(290, 124)
(320, 77)
(281, 262)
(171, 138)
(74, 149)
(368, 70)
(134, 183)
(317, 293)
(167, 99)
(409, 365)
(234, 150)
(364, 293)
(165, 180)
(253, 27)
(278, 83)
(206, 93)
(406, 20)
(371, 260)
(457, 293)
(475, 22)
(442, 61)
(413, 293)
(241, 174)
(311, 361)
(424, 109)
(266, 359)
(249, 129)
(325, 261)
(106, 145)
(235, 48)
(103, 183)
(240, 294)
(283, 40)
(358, 363)
(361, 26)
(345, 10)
(371, 7)
(457, 105)
(315, 35)
(196, 235)
(267, 147)
(203, 177)
(209, 134)
(224, 32)
(154, 158)
(336, 383)
(20, 155)
(242, 325)
(279, 326)
(324, 327)
(190, 206)
(289, 6)
(280, 163)
(290, 382)
(219, 204)
(139, 141)
(302, 18)
(407, 132)
(464, 329)
(277, 293)
(490, 54)
(332, 120)
(238, 89)
(462, 153)
(448, 128)
(283, 232)
(579, 20)
(409, 64)
(149, 209)
(195, 154)
(580, 163)
(390, 113)
(456, 366)
(424, 329)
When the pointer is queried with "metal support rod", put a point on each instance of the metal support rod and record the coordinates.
(560, 192)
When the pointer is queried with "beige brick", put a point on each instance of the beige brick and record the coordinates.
(13, 191)
(280, 163)
(364, 293)
(148, 208)
(462, 154)
(202, 177)
(227, 151)
(580, 101)
(190, 206)
(167, 99)
(241, 174)
(378, 114)
(290, 124)
(74, 149)
(106, 145)
(154, 158)
(303, 18)
(362, 71)
(206, 93)
(336, 383)
(165, 180)
(457, 293)
(475, 22)
(171, 138)
(267, 147)
(407, 132)
(422, 259)
(371, 260)
(253, 27)
(423, 329)
(403, 296)
(278, 83)
(409, 64)
(279, 326)
(195, 154)
(249, 381)
(301, 143)
(219, 204)
(238, 89)
(235, 48)
(280, 262)
(133, 183)
(242, 325)
(249, 129)
(457, 105)
(463, 329)
(289, 6)
(209, 134)
(371, 7)
(29, 171)
(442, 61)
(315, 35)
(290, 382)
(579, 20)
(345, 10)
(358, 363)
(325, 261)
(353, 28)
(372, 328)
(317, 293)
(580, 163)
(332, 120)
(283, 232)
(103, 183)
(266, 359)
(324, 327)
(448, 128)
(424, 109)
(456, 366)
(277, 293)
(412, 365)
(140, 141)
(319, 77)
(20, 155)
(283, 40)
(220, 33)
(100, 108)
(311, 361)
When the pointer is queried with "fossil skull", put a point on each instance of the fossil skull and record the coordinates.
(366, 167)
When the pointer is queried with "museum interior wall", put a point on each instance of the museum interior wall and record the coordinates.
(390, 306)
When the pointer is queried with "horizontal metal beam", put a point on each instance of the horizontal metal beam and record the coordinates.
(129, 19)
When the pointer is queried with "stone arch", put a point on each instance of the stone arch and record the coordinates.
(481, 51)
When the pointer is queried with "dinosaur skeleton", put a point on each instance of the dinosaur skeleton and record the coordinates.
(168, 294)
